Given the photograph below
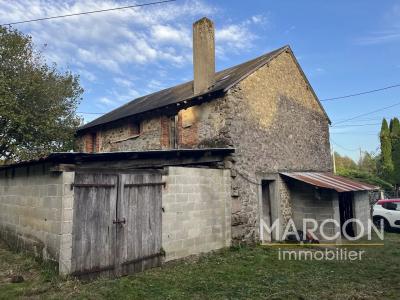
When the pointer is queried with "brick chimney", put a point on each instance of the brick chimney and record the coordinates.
(203, 55)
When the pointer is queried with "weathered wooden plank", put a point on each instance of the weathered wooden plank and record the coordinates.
(95, 185)
(93, 247)
(140, 237)
(98, 244)
(163, 183)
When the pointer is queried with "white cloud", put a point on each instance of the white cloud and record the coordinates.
(390, 33)
(379, 37)
(123, 82)
(168, 34)
(108, 40)
(89, 76)
(237, 37)
(114, 47)
(107, 101)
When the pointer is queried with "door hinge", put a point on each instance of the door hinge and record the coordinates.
(119, 221)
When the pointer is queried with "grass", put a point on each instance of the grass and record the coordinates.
(236, 273)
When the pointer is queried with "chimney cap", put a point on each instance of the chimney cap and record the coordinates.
(204, 19)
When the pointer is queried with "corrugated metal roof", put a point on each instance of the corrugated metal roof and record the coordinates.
(330, 181)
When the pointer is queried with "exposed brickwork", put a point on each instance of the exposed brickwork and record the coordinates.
(188, 123)
(88, 143)
(273, 121)
(165, 132)
(97, 142)
(122, 136)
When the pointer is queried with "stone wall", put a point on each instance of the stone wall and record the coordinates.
(33, 210)
(274, 122)
(120, 136)
(197, 211)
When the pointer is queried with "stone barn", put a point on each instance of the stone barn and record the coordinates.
(264, 108)
(239, 148)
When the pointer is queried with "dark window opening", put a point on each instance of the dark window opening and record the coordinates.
(135, 128)
(173, 132)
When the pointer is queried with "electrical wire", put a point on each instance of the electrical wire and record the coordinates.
(89, 113)
(344, 148)
(362, 93)
(86, 12)
(356, 125)
(366, 114)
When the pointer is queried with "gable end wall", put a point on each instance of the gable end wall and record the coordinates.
(273, 120)
(276, 124)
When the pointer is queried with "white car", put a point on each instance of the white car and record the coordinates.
(387, 210)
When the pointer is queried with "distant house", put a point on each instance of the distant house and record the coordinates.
(260, 122)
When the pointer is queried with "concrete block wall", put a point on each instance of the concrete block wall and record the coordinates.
(31, 209)
(197, 211)
(311, 203)
(66, 223)
(361, 209)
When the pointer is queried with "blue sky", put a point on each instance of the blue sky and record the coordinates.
(344, 47)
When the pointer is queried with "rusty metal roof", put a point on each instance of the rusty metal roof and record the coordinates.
(330, 181)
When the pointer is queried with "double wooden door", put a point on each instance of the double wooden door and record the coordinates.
(116, 223)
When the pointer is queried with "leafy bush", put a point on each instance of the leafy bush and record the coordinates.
(364, 177)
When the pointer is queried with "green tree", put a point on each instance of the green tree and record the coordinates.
(367, 163)
(37, 102)
(344, 162)
(395, 140)
(386, 152)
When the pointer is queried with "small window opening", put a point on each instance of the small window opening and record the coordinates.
(134, 128)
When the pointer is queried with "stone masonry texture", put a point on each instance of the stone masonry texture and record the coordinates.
(271, 118)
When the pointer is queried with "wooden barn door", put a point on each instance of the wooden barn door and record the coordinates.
(93, 232)
(139, 237)
(117, 223)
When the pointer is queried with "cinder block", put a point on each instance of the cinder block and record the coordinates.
(67, 202)
(67, 214)
(52, 190)
(66, 227)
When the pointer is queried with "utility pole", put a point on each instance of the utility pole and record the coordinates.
(334, 160)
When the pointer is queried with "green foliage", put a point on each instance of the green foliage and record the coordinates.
(364, 171)
(344, 162)
(368, 163)
(386, 152)
(364, 176)
(37, 103)
(395, 140)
